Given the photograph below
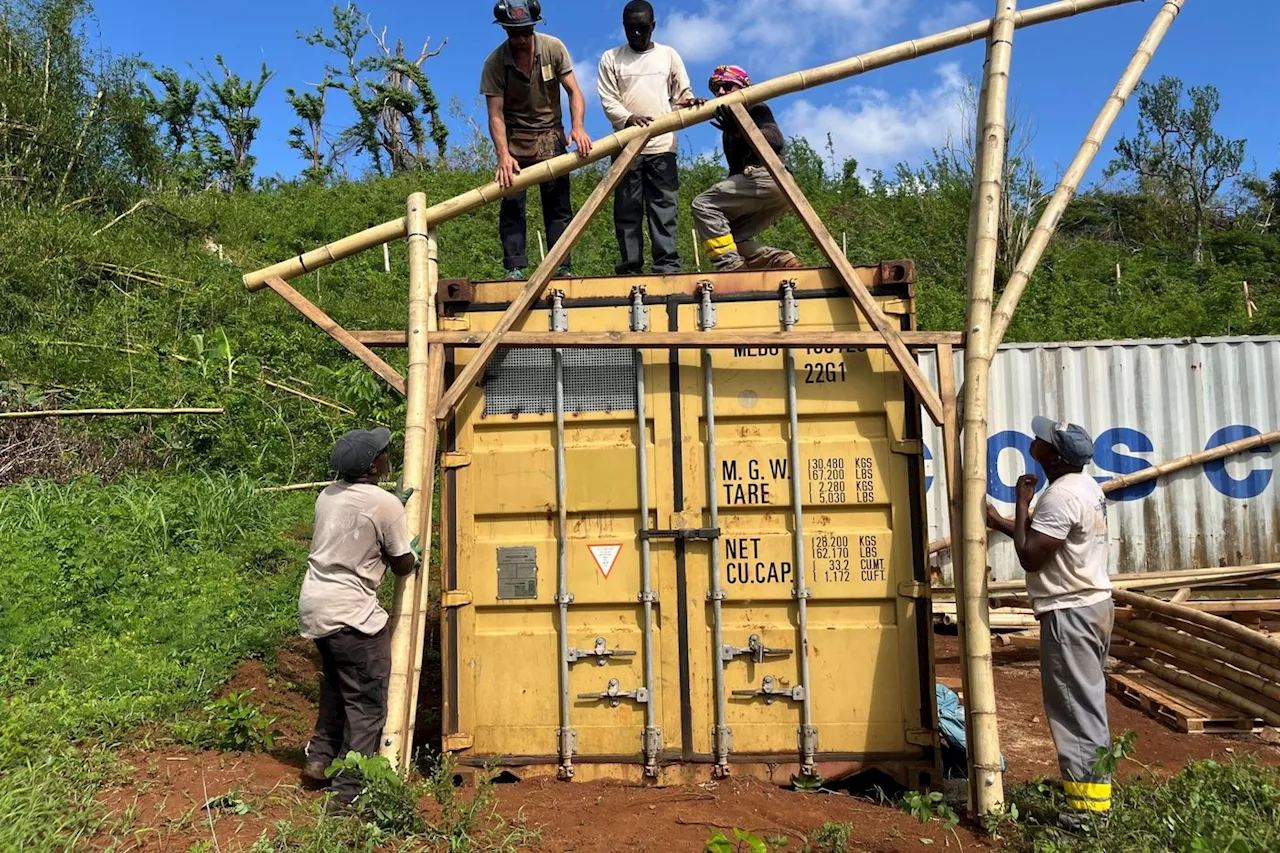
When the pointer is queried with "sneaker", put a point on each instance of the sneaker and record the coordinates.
(773, 259)
(314, 772)
(731, 266)
(515, 275)
(564, 271)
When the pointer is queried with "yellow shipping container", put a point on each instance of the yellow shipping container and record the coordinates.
(601, 624)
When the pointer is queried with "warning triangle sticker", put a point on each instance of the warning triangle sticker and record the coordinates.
(605, 556)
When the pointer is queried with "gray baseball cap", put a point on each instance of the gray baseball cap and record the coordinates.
(355, 451)
(1072, 441)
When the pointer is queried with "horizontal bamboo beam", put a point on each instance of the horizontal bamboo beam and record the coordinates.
(1160, 580)
(105, 413)
(391, 339)
(310, 487)
(672, 122)
(330, 327)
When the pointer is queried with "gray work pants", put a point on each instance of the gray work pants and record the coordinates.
(651, 190)
(353, 701)
(734, 211)
(1074, 644)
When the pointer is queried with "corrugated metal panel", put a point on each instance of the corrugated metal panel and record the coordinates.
(1145, 402)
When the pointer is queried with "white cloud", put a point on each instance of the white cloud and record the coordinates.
(881, 130)
(771, 36)
(588, 73)
(950, 16)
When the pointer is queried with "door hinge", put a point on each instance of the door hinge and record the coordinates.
(922, 737)
(908, 447)
(897, 307)
(915, 589)
(455, 599)
(449, 461)
(458, 742)
(455, 324)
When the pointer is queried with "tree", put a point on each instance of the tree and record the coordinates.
(308, 138)
(179, 114)
(392, 97)
(229, 108)
(1178, 154)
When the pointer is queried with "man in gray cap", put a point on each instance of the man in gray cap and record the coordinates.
(360, 531)
(1063, 547)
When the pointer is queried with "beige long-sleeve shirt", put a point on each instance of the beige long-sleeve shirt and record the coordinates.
(646, 84)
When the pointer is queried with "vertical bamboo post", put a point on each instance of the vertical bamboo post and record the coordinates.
(420, 428)
(986, 776)
(1089, 149)
(953, 467)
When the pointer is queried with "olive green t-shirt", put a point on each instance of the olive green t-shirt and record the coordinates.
(529, 103)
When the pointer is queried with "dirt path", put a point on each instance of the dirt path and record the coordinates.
(160, 805)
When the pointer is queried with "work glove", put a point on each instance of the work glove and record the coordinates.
(404, 496)
(416, 547)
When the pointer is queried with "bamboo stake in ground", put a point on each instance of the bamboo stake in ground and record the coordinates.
(331, 328)
(541, 278)
(1079, 167)
(419, 463)
(986, 775)
(105, 413)
(679, 120)
(862, 298)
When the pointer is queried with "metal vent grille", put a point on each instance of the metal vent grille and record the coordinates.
(523, 382)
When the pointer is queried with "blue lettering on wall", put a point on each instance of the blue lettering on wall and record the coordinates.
(1106, 457)
(997, 444)
(1252, 485)
(928, 479)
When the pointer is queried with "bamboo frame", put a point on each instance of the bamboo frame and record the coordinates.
(670, 123)
(986, 771)
(393, 339)
(330, 327)
(541, 278)
(426, 361)
(104, 413)
(1089, 149)
(826, 243)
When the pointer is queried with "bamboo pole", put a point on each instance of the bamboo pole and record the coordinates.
(670, 123)
(1070, 184)
(986, 775)
(520, 306)
(1201, 687)
(305, 396)
(307, 487)
(419, 461)
(104, 413)
(1158, 581)
(1214, 674)
(952, 462)
(1168, 639)
(331, 328)
(395, 339)
(1216, 623)
(862, 298)
(1203, 633)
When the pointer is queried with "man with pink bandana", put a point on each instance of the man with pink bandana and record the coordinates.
(737, 209)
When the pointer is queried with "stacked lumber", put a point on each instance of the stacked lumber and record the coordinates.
(1194, 669)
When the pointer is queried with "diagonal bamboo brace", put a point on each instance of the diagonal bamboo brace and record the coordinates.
(541, 277)
(861, 296)
(331, 328)
(679, 120)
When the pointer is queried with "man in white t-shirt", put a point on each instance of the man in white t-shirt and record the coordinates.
(1063, 547)
(639, 82)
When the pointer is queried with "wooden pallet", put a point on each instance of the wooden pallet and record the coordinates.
(1178, 709)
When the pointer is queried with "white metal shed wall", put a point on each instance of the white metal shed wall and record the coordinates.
(1144, 402)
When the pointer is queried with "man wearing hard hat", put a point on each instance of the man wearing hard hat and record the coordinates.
(521, 82)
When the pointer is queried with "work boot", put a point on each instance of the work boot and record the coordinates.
(313, 771)
(770, 258)
(515, 275)
(564, 271)
(730, 265)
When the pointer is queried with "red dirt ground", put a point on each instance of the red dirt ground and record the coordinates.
(161, 806)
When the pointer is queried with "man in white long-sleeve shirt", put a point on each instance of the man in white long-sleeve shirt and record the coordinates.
(639, 82)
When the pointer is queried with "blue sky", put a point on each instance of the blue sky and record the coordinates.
(1062, 71)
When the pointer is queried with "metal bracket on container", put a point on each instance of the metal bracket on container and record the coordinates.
(458, 742)
(567, 598)
(559, 316)
(908, 447)
(651, 748)
(601, 653)
(708, 533)
(450, 461)
(567, 739)
(639, 311)
(771, 692)
(454, 599)
(789, 310)
(722, 737)
(922, 737)
(706, 309)
(755, 649)
(614, 694)
(915, 589)
(808, 743)
(801, 594)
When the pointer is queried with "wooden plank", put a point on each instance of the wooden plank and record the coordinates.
(541, 278)
(330, 327)
(1178, 709)
(861, 296)
(393, 339)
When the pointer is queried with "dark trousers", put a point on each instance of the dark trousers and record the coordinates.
(353, 700)
(557, 213)
(651, 190)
